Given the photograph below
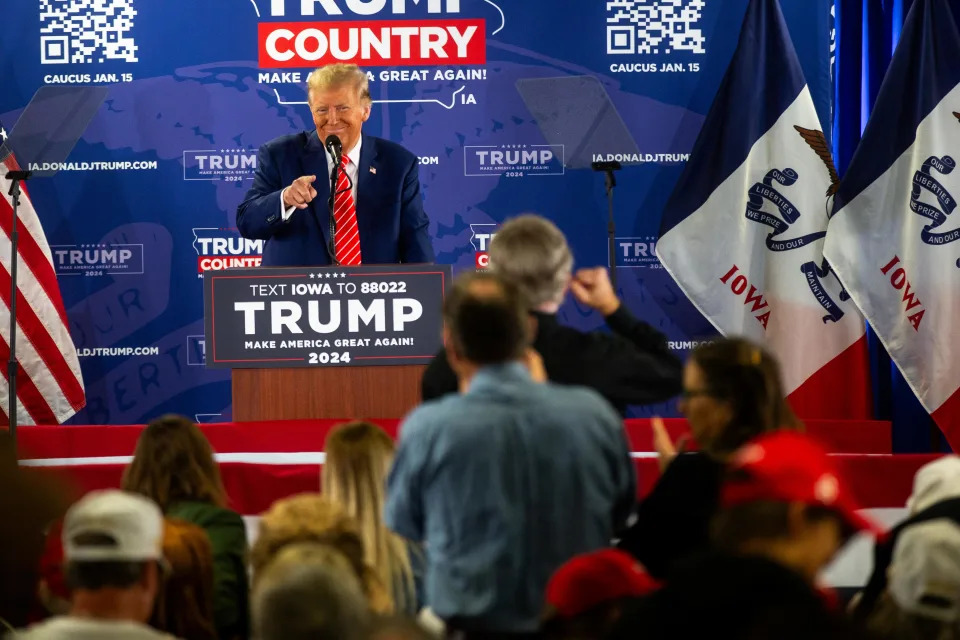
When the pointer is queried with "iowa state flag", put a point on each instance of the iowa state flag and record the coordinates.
(893, 237)
(743, 231)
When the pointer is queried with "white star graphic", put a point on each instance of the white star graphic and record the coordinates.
(3, 134)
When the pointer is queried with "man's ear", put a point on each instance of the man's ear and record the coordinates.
(366, 111)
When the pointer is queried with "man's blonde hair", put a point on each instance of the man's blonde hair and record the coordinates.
(532, 253)
(335, 76)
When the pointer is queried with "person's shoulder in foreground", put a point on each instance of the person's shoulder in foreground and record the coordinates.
(73, 628)
(723, 596)
(575, 402)
(204, 513)
(511, 392)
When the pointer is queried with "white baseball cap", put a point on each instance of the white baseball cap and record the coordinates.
(935, 481)
(924, 576)
(128, 527)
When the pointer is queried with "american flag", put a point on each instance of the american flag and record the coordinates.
(49, 382)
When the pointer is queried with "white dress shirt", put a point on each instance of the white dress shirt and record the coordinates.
(352, 169)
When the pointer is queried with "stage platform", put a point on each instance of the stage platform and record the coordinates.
(263, 461)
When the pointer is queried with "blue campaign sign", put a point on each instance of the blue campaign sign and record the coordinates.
(329, 316)
(149, 194)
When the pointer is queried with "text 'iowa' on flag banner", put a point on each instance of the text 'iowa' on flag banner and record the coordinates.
(49, 382)
(893, 235)
(743, 231)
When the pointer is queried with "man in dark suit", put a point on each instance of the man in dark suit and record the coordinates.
(378, 210)
(632, 365)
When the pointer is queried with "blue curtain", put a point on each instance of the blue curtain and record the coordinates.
(866, 35)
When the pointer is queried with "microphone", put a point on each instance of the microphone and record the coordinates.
(334, 147)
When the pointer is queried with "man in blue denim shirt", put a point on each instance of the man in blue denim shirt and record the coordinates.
(506, 481)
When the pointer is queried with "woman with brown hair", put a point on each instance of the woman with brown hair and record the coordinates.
(310, 517)
(184, 605)
(173, 465)
(358, 459)
(731, 393)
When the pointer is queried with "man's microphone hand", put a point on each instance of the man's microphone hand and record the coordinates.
(300, 192)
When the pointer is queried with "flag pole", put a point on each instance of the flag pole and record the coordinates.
(15, 177)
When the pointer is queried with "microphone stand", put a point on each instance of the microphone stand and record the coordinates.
(334, 178)
(610, 181)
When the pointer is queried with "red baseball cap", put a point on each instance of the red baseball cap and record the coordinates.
(590, 579)
(787, 466)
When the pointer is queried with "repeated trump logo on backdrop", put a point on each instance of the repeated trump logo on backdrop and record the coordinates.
(145, 205)
(219, 249)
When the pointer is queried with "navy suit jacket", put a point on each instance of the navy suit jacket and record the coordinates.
(392, 223)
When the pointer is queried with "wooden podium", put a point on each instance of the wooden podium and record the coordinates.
(330, 392)
(324, 342)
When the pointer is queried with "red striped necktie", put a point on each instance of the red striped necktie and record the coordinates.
(347, 237)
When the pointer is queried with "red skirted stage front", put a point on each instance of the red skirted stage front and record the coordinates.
(264, 461)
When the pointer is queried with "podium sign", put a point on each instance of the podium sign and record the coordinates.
(323, 316)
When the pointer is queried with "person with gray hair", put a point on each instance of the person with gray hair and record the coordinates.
(309, 592)
(632, 365)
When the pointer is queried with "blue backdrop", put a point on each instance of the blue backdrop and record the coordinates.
(193, 93)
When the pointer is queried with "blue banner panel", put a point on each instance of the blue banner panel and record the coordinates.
(146, 202)
(371, 315)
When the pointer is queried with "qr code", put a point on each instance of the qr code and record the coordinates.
(654, 26)
(83, 31)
